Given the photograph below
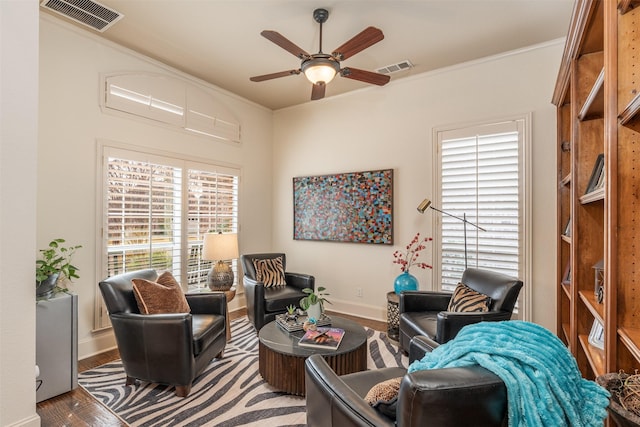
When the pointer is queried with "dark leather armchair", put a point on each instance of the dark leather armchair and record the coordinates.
(425, 313)
(264, 303)
(450, 397)
(164, 348)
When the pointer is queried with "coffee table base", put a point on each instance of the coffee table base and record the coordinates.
(286, 372)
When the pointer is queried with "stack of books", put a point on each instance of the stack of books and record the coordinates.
(325, 338)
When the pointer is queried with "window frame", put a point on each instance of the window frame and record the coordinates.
(183, 161)
(170, 102)
(524, 124)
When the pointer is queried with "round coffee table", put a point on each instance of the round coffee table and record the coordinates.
(281, 359)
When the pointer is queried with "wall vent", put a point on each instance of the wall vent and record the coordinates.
(85, 12)
(394, 68)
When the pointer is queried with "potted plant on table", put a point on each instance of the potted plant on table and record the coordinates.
(313, 303)
(291, 313)
(53, 265)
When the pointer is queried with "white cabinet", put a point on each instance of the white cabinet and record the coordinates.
(56, 345)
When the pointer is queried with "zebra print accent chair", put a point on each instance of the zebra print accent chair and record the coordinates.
(431, 314)
(265, 293)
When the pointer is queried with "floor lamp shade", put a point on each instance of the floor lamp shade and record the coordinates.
(220, 247)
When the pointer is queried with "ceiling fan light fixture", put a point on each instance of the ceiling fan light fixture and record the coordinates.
(320, 69)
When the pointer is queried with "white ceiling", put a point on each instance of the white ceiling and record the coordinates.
(219, 41)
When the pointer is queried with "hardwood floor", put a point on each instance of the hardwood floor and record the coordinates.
(78, 409)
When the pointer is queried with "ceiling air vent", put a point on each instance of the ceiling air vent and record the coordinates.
(394, 68)
(85, 12)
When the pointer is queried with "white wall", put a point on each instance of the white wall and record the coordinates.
(391, 127)
(71, 123)
(18, 143)
(374, 128)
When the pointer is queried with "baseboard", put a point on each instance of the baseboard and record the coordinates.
(32, 421)
(100, 342)
(371, 312)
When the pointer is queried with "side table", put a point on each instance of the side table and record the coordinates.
(393, 316)
(231, 293)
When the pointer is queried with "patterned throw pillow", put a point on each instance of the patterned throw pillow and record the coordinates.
(270, 272)
(465, 299)
(165, 295)
(384, 397)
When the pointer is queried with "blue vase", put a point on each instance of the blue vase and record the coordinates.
(405, 282)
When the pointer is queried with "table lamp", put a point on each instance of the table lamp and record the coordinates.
(220, 247)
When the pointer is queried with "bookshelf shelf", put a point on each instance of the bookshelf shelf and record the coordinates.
(598, 116)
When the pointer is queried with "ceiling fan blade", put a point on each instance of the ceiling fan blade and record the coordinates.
(367, 37)
(365, 76)
(274, 75)
(284, 43)
(317, 92)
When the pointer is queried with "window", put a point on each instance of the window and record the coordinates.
(170, 101)
(481, 177)
(157, 209)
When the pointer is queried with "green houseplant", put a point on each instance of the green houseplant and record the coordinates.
(313, 303)
(54, 262)
(291, 315)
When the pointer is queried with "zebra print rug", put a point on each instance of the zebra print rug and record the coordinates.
(230, 392)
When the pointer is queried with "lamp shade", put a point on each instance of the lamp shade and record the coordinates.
(320, 70)
(424, 205)
(218, 246)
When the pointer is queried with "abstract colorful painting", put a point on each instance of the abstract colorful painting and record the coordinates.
(348, 207)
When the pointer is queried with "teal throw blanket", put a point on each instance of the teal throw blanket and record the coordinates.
(544, 386)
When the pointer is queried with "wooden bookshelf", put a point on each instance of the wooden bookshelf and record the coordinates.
(597, 97)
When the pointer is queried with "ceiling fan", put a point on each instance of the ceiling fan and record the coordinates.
(320, 68)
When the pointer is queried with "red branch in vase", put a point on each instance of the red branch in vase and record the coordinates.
(409, 258)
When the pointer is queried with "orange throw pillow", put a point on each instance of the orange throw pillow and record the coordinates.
(165, 295)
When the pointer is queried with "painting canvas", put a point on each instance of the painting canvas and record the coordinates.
(347, 207)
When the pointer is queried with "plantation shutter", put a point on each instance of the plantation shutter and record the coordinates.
(156, 211)
(212, 207)
(480, 179)
(143, 216)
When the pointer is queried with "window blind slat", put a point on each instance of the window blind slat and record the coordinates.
(144, 209)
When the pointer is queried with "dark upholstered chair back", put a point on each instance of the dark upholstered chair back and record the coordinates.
(448, 397)
(117, 291)
(250, 270)
(425, 313)
(265, 303)
(502, 289)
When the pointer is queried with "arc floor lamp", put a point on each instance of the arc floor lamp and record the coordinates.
(426, 204)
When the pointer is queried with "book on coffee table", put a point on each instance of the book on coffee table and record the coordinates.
(327, 338)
